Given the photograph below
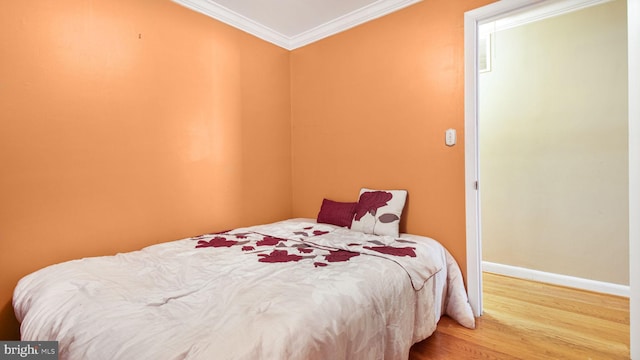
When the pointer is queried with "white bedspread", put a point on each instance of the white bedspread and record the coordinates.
(288, 290)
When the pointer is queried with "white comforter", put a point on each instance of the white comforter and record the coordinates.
(276, 291)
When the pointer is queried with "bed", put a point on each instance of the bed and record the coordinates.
(293, 289)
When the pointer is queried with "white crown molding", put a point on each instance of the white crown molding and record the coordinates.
(355, 18)
(236, 20)
(544, 10)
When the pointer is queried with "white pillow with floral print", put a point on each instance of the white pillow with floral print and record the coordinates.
(378, 211)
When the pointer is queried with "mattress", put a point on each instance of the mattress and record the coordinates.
(293, 289)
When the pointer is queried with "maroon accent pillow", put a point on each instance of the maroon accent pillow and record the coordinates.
(337, 213)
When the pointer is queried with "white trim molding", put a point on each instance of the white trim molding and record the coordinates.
(633, 38)
(544, 10)
(472, 20)
(557, 279)
(232, 18)
(345, 22)
(348, 21)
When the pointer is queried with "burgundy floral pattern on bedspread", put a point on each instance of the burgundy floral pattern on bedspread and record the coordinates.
(318, 246)
(271, 249)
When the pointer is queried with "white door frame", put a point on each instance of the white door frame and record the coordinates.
(474, 247)
(633, 38)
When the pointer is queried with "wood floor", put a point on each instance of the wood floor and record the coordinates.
(529, 320)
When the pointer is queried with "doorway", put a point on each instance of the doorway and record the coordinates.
(552, 138)
(474, 254)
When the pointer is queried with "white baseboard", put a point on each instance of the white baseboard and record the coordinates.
(557, 279)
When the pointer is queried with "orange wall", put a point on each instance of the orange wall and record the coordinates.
(370, 107)
(126, 123)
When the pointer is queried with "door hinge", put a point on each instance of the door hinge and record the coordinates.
(475, 185)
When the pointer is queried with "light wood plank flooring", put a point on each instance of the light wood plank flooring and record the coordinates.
(529, 320)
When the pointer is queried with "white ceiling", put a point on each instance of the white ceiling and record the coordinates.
(294, 23)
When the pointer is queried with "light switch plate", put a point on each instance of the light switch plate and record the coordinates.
(450, 137)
